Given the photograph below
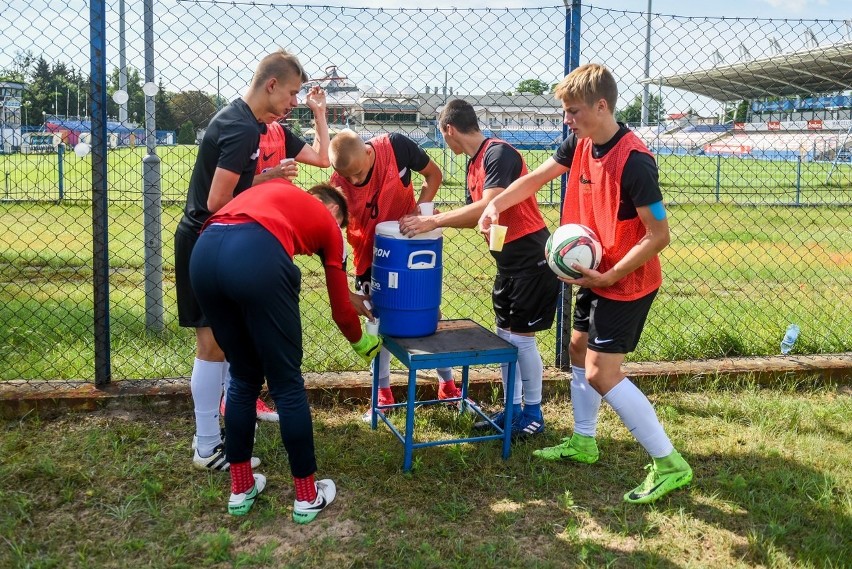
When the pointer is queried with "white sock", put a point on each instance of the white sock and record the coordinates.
(638, 415)
(206, 387)
(530, 366)
(445, 374)
(586, 403)
(504, 372)
(226, 380)
(384, 368)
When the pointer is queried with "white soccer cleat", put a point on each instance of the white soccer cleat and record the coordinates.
(304, 512)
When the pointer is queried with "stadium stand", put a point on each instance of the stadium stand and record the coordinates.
(809, 146)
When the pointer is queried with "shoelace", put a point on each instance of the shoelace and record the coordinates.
(650, 478)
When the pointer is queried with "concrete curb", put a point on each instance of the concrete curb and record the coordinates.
(20, 398)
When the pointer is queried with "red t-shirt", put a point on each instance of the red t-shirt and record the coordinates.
(303, 226)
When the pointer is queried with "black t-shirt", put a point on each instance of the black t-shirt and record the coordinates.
(640, 183)
(292, 143)
(409, 156)
(502, 165)
(230, 142)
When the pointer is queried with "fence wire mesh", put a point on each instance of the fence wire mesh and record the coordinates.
(753, 145)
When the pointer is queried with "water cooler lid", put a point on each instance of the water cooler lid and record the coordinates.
(391, 229)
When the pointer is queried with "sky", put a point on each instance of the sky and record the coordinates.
(214, 46)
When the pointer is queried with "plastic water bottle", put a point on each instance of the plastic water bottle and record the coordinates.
(789, 338)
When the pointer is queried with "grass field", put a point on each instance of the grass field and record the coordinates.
(735, 276)
(684, 179)
(115, 489)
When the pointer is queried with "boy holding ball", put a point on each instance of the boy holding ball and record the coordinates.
(613, 189)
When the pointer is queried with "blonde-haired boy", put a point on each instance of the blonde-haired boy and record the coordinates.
(613, 188)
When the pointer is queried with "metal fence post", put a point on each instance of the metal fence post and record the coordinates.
(60, 158)
(154, 321)
(563, 307)
(718, 175)
(100, 237)
(798, 178)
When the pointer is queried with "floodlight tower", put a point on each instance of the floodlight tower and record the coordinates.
(645, 90)
(811, 39)
(775, 44)
(122, 62)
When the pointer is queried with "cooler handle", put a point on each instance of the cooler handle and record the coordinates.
(422, 264)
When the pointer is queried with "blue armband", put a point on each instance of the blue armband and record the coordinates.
(658, 210)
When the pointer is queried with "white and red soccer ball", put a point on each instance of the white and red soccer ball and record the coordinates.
(569, 244)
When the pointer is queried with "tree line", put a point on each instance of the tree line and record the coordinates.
(59, 89)
(62, 90)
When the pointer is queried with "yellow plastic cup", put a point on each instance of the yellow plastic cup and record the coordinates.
(497, 236)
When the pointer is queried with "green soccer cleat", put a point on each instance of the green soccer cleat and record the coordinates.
(664, 475)
(240, 504)
(579, 448)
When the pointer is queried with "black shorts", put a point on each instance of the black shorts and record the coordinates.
(614, 326)
(189, 312)
(525, 302)
(362, 281)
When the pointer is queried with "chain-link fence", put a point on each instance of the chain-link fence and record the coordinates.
(750, 119)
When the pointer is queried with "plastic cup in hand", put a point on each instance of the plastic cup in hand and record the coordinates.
(372, 327)
(427, 208)
(496, 237)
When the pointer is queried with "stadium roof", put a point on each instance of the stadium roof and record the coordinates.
(818, 70)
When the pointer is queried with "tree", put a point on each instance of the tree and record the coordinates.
(194, 106)
(136, 97)
(163, 109)
(533, 86)
(43, 91)
(20, 67)
(186, 135)
(632, 113)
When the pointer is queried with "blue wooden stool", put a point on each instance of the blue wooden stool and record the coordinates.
(455, 343)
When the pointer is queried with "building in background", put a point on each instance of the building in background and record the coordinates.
(11, 94)
(522, 119)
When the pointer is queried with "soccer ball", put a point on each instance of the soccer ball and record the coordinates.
(572, 243)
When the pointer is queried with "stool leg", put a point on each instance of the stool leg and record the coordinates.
(409, 419)
(374, 396)
(507, 413)
(465, 378)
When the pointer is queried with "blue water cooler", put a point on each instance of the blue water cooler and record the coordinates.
(406, 281)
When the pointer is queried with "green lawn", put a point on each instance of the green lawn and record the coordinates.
(115, 488)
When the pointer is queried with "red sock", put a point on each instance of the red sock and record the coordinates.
(242, 477)
(306, 488)
(385, 396)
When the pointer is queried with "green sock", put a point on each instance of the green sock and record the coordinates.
(670, 463)
(583, 442)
